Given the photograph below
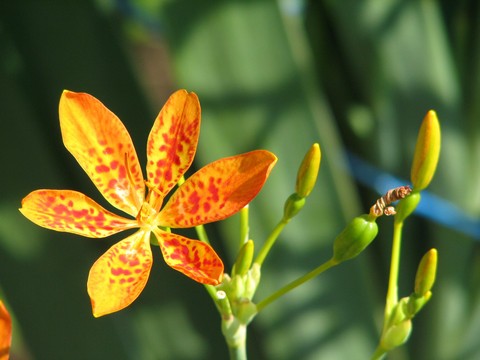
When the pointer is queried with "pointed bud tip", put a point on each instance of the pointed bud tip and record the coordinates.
(426, 273)
(308, 171)
(427, 151)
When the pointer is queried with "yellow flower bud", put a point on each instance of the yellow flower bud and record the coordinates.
(426, 272)
(427, 152)
(308, 171)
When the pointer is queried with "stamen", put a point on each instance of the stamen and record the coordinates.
(157, 200)
(131, 182)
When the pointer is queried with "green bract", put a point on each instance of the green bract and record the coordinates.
(293, 205)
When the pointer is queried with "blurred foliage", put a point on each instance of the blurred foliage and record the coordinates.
(355, 76)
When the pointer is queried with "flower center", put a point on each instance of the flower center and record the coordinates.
(146, 216)
(150, 208)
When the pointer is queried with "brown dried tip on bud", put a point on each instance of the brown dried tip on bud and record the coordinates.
(382, 207)
(389, 210)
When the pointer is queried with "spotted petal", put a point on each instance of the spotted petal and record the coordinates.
(102, 146)
(118, 277)
(73, 212)
(172, 143)
(193, 258)
(5, 332)
(218, 190)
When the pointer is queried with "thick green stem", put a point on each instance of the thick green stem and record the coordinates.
(238, 352)
(325, 266)
(235, 334)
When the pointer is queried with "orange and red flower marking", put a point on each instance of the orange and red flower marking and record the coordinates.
(102, 146)
(5, 332)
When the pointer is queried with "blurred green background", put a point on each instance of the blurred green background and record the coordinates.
(357, 76)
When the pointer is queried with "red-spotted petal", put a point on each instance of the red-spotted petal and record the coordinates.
(118, 277)
(172, 143)
(102, 146)
(5, 332)
(218, 190)
(193, 258)
(73, 212)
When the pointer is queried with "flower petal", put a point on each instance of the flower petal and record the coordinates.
(218, 190)
(118, 277)
(102, 146)
(172, 143)
(5, 332)
(73, 212)
(193, 258)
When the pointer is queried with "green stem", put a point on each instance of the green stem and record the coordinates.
(244, 229)
(235, 334)
(379, 353)
(202, 234)
(212, 291)
(238, 352)
(325, 266)
(392, 292)
(270, 241)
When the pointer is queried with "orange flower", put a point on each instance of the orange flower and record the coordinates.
(5, 332)
(104, 149)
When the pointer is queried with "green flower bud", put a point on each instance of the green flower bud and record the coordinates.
(396, 335)
(426, 273)
(406, 206)
(427, 151)
(293, 205)
(308, 171)
(356, 236)
(244, 259)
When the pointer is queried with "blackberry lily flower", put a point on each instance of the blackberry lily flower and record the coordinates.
(102, 146)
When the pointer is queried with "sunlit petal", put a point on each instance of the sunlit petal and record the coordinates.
(73, 212)
(218, 190)
(118, 277)
(102, 146)
(5, 332)
(193, 258)
(173, 141)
